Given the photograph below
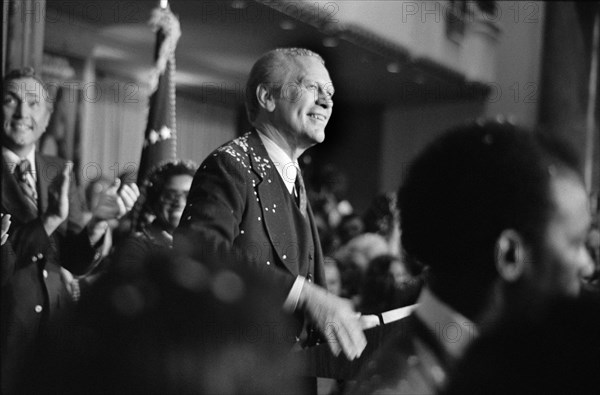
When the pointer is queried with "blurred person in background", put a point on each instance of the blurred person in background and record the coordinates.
(351, 226)
(158, 211)
(362, 249)
(332, 276)
(170, 325)
(354, 257)
(382, 217)
(327, 189)
(388, 285)
(154, 217)
(507, 236)
(79, 285)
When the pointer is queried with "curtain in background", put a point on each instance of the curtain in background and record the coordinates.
(117, 122)
(202, 127)
(63, 135)
(117, 119)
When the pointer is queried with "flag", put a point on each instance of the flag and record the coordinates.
(160, 137)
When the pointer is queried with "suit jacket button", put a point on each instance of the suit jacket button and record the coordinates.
(38, 308)
(309, 277)
(40, 255)
(45, 273)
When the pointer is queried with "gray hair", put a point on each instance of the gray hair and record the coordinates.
(267, 70)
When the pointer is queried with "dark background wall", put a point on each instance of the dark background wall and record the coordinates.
(566, 75)
(353, 145)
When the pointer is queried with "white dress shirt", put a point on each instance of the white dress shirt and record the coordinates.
(286, 167)
(12, 160)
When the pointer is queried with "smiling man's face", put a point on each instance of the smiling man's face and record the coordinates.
(304, 105)
(25, 114)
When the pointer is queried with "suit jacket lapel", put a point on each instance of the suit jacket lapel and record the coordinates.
(13, 199)
(278, 224)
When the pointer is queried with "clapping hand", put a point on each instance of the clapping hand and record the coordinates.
(58, 200)
(5, 226)
(115, 202)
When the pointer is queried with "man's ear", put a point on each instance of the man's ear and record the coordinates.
(265, 97)
(511, 255)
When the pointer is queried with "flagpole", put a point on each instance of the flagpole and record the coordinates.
(170, 70)
(160, 142)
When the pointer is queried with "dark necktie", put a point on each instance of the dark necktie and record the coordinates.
(27, 183)
(301, 191)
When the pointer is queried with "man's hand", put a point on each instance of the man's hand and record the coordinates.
(5, 226)
(112, 205)
(335, 318)
(58, 200)
(114, 202)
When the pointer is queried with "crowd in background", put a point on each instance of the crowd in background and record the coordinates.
(364, 258)
(364, 248)
(364, 261)
(151, 316)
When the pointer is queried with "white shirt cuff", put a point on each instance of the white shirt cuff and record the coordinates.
(291, 302)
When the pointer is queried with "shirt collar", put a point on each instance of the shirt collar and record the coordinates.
(12, 160)
(454, 331)
(286, 167)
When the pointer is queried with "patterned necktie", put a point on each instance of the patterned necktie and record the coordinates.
(27, 183)
(301, 191)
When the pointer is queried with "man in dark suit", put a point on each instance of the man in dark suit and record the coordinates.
(47, 230)
(248, 197)
(499, 216)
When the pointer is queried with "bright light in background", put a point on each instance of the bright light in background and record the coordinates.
(393, 67)
(238, 4)
(330, 42)
(106, 52)
(287, 25)
(164, 3)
